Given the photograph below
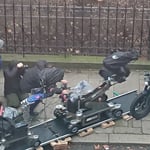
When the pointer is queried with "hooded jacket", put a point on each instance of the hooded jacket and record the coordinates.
(31, 78)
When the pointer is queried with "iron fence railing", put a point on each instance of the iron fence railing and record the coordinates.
(74, 27)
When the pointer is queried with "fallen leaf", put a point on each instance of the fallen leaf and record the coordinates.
(106, 147)
(97, 147)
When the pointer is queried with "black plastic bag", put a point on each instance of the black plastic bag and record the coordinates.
(50, 76)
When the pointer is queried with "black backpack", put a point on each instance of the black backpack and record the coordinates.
(50, 76)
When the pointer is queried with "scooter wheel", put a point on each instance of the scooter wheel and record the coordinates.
(33, 141)
(37, 143)
(73, 129)
(140, 107)
(117, 113)
(57, 113)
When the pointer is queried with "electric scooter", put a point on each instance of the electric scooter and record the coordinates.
(83, 110)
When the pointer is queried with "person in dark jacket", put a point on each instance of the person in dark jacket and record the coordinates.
(31, 80)
(12, 77)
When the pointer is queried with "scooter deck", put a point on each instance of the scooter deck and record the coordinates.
(55, 129)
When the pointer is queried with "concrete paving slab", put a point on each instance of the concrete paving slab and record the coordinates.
(127, 130)
(92, 138)
(129, 138)
(146, 127)
(136, 123)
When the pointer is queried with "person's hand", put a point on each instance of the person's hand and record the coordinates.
(20, 65)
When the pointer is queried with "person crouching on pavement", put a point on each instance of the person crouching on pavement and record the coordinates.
(32, 80)
(12, 76)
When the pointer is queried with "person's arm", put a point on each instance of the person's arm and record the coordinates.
(11, 73)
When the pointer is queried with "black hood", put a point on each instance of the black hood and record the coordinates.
(12, 64)
(41, 64)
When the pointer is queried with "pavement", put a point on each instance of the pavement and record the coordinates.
(127, 132)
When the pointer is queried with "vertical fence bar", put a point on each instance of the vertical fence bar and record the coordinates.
(133, 25)
(65, 29)
(107, 32)
(141, 35)
(125, 21)
(148, 27)
(90, 25)
(22, 25)
(48, 25)
(39, 11)
(73, 26)
(56, 24)
(116, 25)
(31, 31)
(6, 36)
(99, 25)
(14, 26)
(82, 25)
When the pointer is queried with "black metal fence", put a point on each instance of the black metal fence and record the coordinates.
(83, 27)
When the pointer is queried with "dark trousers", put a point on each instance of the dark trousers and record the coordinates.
(33, 106)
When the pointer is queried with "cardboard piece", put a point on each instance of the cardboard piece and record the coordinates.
(86, 132)
(40, 148)
(107, 124)
(61, 144)
(127, 117)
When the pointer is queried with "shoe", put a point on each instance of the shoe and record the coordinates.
(34, 114)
